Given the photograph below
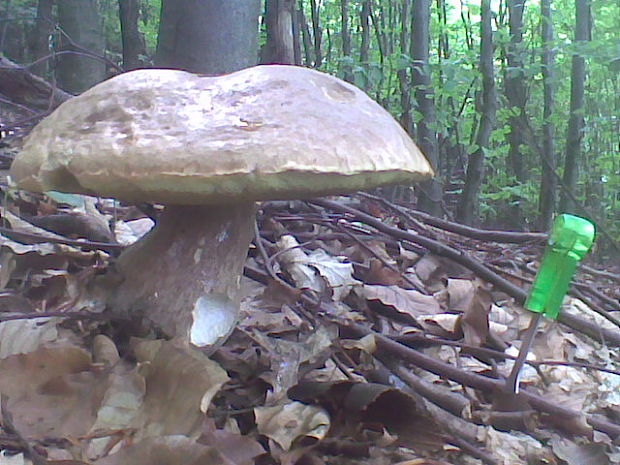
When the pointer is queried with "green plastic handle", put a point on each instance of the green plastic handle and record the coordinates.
(570, 240)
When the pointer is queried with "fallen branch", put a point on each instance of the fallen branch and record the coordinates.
(21, 87)
(582, 325)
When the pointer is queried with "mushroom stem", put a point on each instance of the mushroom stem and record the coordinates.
(184, 274)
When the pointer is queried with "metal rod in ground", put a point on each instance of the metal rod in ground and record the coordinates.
(512, 382)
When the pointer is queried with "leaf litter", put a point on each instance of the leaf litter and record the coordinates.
(306, 378)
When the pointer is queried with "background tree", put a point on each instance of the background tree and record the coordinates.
(134, 47)
(347, 58)
(549, 183)
(576, 123)
(82, 42)
(40, 35)
(516, 98)
(430, 192)
(279, 46)
(213, 37)
(468, 203)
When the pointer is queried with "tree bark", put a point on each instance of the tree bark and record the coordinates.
(365, 43)
(576, 122)
(297, 40)
(305, 36)
(279, 47)
(82, 22)
(317, 33)
(429, 192)
(346, 42)
(134, 47)
(212, 37)
(403, 78)
(514, 87)
(549, 183)
(516, 97)
(468, 203)
(39, 39)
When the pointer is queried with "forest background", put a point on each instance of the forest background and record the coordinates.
(516, 102)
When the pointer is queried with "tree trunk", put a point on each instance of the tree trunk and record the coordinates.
(515, 92)
(576, 121)
(82, 22)
(211, 37)
(403, 79)
(296, 36)
(365, 44)
(429, 192)
(39, 39)
(134, 47)
(317, 33)
(305, 36)
(514, 87)
(468, 203)
(549, 183)
(402, 70)
(346, 42)
(279, 47)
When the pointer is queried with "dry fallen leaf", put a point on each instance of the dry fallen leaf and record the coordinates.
(477, 305)
(24, 336)
(317, 271)
(406, 302)
(289, 422)
(180, 383)
(238, 449)
(51, 391)
(165, 450)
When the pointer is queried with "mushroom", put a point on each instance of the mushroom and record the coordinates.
(207, 148)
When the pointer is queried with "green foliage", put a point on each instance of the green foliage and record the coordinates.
(456, 85)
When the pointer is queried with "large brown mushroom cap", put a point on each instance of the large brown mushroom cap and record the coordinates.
(268, 132)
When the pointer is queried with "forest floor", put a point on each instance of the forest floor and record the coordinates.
(370, 333)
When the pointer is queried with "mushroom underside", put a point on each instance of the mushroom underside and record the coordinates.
(183, 276)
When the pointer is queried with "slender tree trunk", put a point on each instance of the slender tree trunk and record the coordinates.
(549, 183)
(211, 37)
(576, 121)
(305, 35)
(515, 92)
(429, 193)
(467, 26)
(134, 47)
(317, 33)
(279, 47)
(365, 43)
(82, 22)
(468, 203)
(403, 78)
(4, 26)
(346, 41)
(39, 41)
(296, 36)
(514, 87)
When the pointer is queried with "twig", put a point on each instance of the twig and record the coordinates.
(394, 349)
(591, 329)
(70, 315)
(29, 238)
(467, 231)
